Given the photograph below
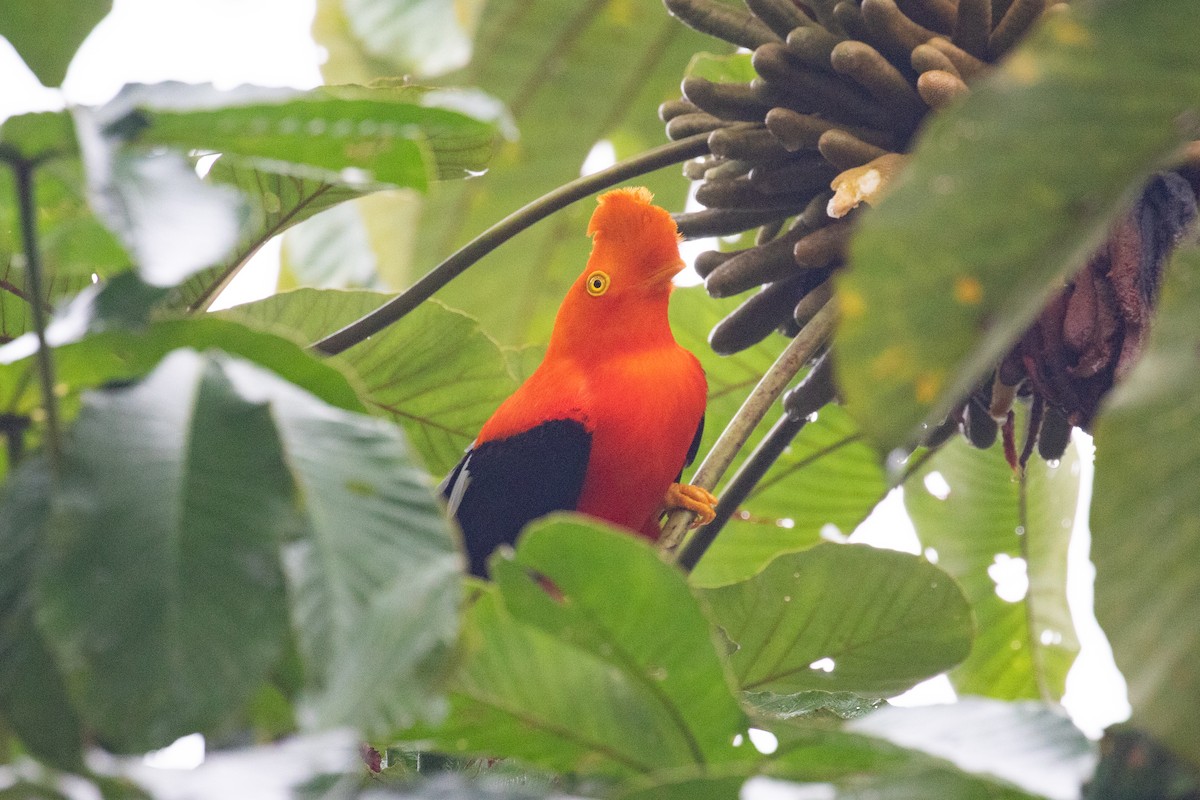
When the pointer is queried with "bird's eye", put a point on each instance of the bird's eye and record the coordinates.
(597, 283)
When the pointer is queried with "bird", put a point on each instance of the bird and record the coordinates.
(613, 413)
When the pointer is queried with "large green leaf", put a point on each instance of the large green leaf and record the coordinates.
(162, 593)
(433, 372)
(800, 625)
(402, 136)
(983, 521)
(1007, 193)
(1146, 533)
(376, 574)
(48, 34)
(653, 627)
(33, 694)
(571, 73)
(619, 676)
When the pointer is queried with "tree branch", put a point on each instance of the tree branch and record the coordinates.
(814, 391)
(802, 347)
(502, 231)
(23, 170)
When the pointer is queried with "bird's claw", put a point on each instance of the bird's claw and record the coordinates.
(695, 499)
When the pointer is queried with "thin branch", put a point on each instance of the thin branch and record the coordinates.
(505, 229)
(802, 347)
(23, 170)
(814, 391)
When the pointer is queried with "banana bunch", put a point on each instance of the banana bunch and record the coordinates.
(841, 87)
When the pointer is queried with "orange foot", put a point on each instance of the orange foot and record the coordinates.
(693, 498)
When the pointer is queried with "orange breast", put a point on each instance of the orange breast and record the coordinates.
(644, 409)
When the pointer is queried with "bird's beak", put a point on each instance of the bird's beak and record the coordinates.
(666, 273)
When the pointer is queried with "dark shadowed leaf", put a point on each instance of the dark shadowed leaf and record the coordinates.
(1004, 538)
(990, 215)
(824, 764)
(375, 575)
(803, 624)
(1027, 744)
(48, 34)
(33, 694)
(163, 594)
(1146, 533)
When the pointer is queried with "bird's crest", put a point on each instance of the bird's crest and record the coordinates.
(629, 213)
(627, 217)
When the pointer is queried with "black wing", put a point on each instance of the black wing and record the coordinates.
(501, 485)
(693, 448)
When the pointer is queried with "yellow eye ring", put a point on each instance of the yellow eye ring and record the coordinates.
(597, 283)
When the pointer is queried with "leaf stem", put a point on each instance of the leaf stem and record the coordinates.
(814, 391)
(24, 170)
(505, 229)
(802, 347)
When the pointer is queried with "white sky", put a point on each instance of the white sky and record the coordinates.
(267, 42)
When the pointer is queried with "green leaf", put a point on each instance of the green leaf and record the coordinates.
(122, 355)
(653, 627)
(814, 704)
(171, 222)
(402, 136)
(735, 68)
(367, 39)
(37, 136)
(363, 244)
(1026, 744)
(572, 74)
(376, 574)
(74, 244)
(433, 372)
(48, 34)
(1007, 193)
(1146, 534)
(162, 593)
(277, 201)
(621, 676)
(33, 694)
(828, 476)
(993, 522)
(800, 625)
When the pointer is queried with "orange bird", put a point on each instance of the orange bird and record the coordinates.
(607, 422)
